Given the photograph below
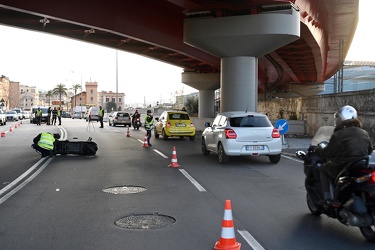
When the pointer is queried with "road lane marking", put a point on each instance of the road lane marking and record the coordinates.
(161, 154)
(292, 158)
(24, 183)
(250, 240)
(192, 180)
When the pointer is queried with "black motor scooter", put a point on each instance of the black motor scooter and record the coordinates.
(137, 123)
(354, 188)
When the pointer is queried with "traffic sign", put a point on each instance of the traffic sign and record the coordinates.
(282, 125)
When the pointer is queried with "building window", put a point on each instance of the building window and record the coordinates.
(119, 100)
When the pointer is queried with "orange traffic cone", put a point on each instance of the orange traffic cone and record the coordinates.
(145, 143)
(3, 134)
(228, 238)
(174, 163)
(11, 129)
(15, 125)
(128, 133)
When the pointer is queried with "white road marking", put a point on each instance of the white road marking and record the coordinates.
(250, 240)
(192, 180)
(292, 158)
(16, 189)
(160, 153)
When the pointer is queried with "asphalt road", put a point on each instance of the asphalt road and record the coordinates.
(65, 204)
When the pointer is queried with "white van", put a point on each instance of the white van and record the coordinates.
(44, 114)
(93, 114)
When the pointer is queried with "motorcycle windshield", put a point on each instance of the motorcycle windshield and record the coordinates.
(323, 134)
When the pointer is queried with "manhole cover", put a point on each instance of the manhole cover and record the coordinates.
(145, 221)
(124, 190)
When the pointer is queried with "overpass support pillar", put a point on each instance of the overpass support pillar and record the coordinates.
(206, 84)
(239, 84)
(239, 41)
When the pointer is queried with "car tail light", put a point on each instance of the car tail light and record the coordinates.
(370, 177)
(230, 134)
(275, 133)
(191, 125)
(168, 124)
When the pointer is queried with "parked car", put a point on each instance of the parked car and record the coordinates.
(3, 118)
(77, 115)
(44, 114)
(174, 124)
(11, 115)
(25, 114)
(93, 114)
(19, 113)
(241, 133)
(120, 118)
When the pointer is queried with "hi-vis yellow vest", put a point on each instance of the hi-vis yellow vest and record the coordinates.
(46, 141)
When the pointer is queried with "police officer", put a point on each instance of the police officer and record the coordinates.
(149, 122)
(101, 115)
(59, 115)
(44, 143)
(38, 116)
(54, 116)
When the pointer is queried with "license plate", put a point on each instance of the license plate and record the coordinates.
(180, 125)
(251, 148)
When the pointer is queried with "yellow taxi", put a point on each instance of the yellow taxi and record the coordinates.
(174, 124)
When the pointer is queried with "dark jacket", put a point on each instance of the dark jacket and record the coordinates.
(348, 142)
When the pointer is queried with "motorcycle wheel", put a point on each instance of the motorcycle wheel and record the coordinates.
(312, 207)
(368, 233)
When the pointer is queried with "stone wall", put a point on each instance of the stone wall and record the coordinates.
(317, 111)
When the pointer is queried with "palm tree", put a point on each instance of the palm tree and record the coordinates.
(60, 90)
(75, 88)
(48, 96)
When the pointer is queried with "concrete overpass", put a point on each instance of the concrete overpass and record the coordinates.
(247, 48)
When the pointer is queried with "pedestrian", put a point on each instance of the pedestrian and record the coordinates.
(59, 115)
(44, 143)
(101, 115)
(149, 122)
(38, 116)
(54, 116)
(49, 112)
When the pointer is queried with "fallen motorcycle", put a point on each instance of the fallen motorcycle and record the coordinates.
(354, 188)
(64, 147)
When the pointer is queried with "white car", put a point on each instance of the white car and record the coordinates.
(11, 115)
(241, 133)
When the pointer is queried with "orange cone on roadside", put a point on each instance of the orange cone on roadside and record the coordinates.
(11, 129)
(145, 143)
(15, 125)
(3, 134)
(228, 237)
(174, 163)
(128, 133)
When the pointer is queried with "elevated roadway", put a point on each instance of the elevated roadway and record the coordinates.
(157, 29)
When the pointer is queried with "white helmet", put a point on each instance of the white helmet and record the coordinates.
(345, 113)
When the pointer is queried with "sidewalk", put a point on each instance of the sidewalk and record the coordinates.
(293, 144)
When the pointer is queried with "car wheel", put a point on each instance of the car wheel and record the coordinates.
(165, 137)
(203, 147)
(192, 138)
(274, 158)
(223, 158)
(156, 133)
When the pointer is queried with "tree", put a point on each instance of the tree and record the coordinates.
(48, 96)
(111, 106)
(75, 88)
(60, 90)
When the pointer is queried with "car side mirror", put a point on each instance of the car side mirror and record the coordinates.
(207, 124)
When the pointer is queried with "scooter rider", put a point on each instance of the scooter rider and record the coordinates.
(348, 142)
(135, 116)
